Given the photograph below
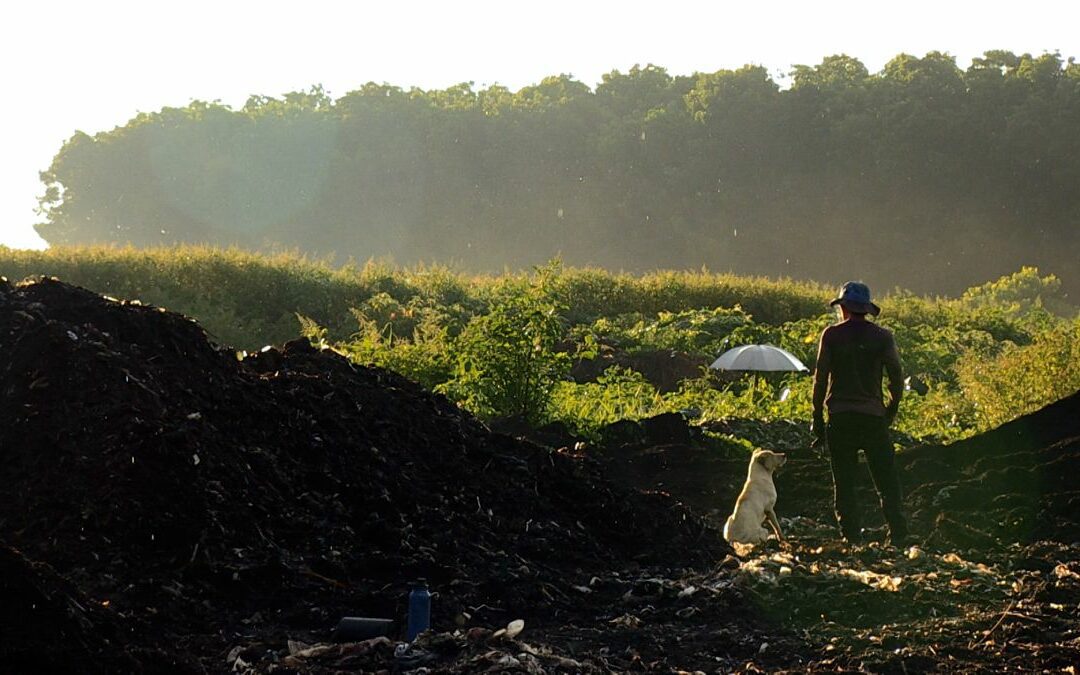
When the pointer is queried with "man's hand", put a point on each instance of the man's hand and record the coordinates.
(817, 427)
(890, 411)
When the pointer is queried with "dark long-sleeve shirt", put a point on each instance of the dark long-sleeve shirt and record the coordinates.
(852, 357)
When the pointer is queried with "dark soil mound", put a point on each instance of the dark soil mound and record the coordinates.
(202, 501)
(46, 622)
(1015, 483)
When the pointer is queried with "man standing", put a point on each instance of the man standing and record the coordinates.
(852, 357)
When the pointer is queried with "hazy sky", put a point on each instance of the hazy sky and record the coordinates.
(91, 66)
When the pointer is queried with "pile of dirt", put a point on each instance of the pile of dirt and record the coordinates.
(193, 503)
(1013, 484)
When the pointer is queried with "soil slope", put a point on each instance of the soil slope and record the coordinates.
(171, 505)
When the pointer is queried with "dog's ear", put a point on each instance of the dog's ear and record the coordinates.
(769, 459)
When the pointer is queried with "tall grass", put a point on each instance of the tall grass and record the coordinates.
(246, 299)
(987, 356)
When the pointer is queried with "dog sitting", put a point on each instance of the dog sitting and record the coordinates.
(756, 501)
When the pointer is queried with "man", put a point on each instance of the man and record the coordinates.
(852, 357)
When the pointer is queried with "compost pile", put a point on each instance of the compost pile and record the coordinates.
(169, 506)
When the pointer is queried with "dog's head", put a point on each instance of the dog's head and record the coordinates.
(769, 459)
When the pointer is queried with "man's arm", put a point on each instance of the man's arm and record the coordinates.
(895, 373)
(821, 384)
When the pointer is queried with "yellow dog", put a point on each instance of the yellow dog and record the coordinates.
(756, 501)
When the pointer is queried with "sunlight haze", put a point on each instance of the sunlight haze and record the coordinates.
(92, 66)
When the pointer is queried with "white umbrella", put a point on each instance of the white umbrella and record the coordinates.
(758, 358)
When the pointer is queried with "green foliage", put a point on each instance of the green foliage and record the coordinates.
(696, 331)
(618, 394)
(424, 356)
(590, 293)
(621, 393)
(501, 345)
(1022, 379)
(932, 353)
(943, 414)
(249, 300)
(242, 299)
(1023, 287)
(1021, 294)
(506, 359)
(310, 329)
(700, 331)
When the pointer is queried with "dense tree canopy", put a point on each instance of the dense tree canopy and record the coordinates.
(922, 175)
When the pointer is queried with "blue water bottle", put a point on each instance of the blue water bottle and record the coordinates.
(419, 609)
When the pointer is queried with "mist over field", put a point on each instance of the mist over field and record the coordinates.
(924, 175)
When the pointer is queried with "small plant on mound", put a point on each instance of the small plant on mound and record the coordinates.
(618, 394)
(507, 363)
(424, 356)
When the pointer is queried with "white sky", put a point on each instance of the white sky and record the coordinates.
(90, 66)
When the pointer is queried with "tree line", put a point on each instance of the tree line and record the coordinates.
(922, 175)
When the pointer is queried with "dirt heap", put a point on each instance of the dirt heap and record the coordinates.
(1013, 484)
(196, 511)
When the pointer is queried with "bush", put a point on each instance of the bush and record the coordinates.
(1022, 379)
(619, 394)
(507, 364)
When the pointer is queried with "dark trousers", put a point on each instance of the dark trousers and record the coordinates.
(848, 433)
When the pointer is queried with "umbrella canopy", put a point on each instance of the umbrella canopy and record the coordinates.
(758, 358)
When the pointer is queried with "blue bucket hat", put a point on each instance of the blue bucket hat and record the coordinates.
(855, 296)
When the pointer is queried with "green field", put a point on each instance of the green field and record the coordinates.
(506, 344)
